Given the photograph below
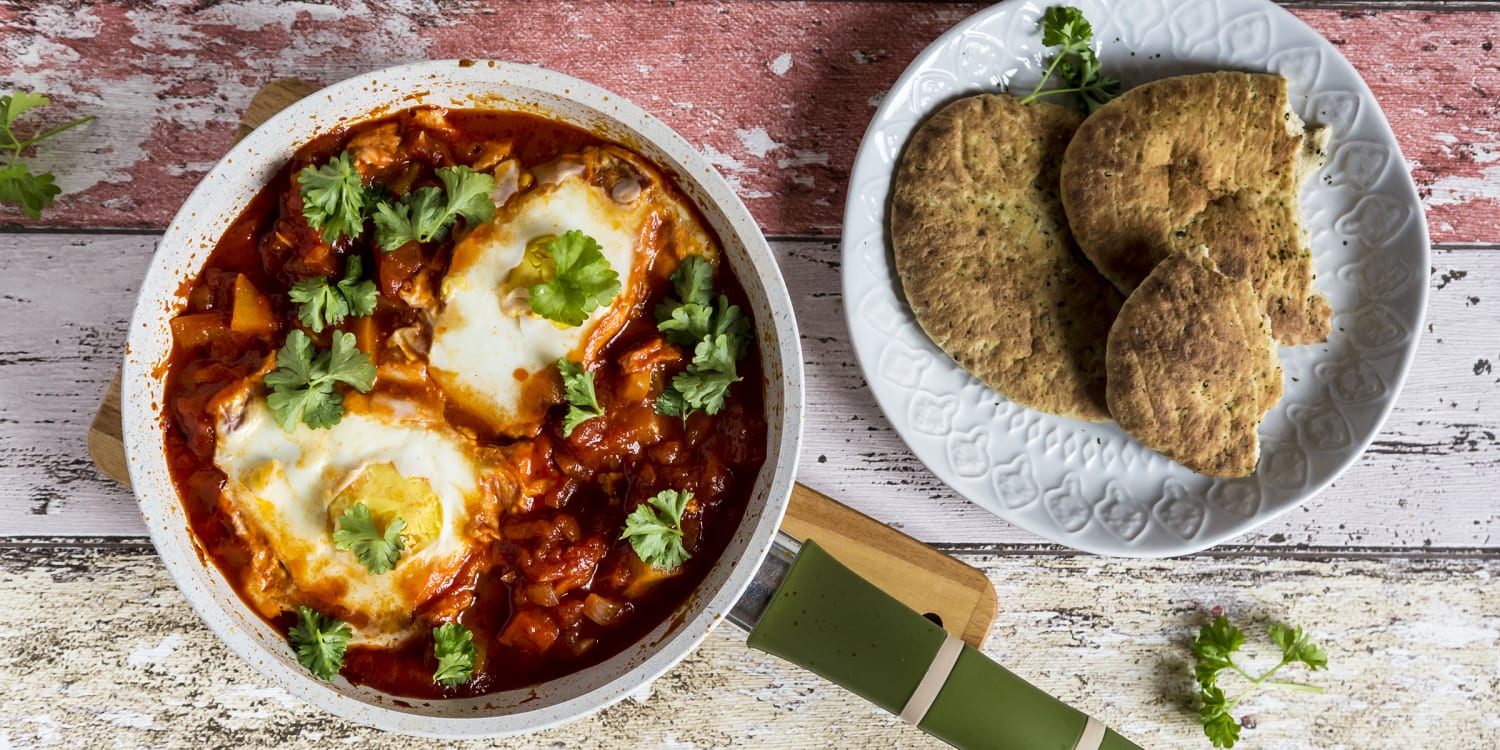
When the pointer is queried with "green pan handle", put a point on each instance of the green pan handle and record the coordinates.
(827, 619)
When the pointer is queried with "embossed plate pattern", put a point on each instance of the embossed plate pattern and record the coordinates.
(1091, 486)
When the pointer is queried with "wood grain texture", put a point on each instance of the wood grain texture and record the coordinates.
(1411, 651)
(777, 95)
(1425, 483)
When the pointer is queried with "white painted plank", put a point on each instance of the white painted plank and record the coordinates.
(1411, 647)
(1424, 482)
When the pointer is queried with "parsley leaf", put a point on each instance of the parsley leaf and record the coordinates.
(324, 305)
(719, 334)
(583, 280)
(1076, 61)
(578, 387)
(654, 529)
(334, 197)
(302, 383)
(453, 645)
(426, 214)
(32, 192)
(320, 642)
(376, 551)
(1215, 646)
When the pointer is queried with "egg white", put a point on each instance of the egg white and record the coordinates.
(283, 483)
(485, 337)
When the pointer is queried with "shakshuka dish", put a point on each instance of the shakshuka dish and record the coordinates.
(465, 400)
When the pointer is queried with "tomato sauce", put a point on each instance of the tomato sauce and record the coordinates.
(556, 590)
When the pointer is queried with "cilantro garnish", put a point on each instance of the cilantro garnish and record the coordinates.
(334, 197)
(654, 529)
(328, 305)
(302, 383)
(320, 642)
(582, 281)
(1081, 70)
(1215, 646)
(578, 387)
(426, 214)
(719, 334)
(376, 551)
(453, 645)
(32, 192)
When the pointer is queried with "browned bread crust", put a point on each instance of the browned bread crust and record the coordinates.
(985, 256)
(1214, 159)
(1192, 366)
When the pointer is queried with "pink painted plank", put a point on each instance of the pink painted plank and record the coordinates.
(777, 94)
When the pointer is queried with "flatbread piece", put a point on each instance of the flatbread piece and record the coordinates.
(1193, 367)
(987, 261)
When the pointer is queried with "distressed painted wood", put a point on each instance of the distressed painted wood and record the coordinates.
(1425, 482)
(776, 94)
(98, 649)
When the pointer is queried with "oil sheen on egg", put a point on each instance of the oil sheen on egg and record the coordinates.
(487, 343)
(294, 486)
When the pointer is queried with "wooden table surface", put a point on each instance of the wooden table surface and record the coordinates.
(1393, 567)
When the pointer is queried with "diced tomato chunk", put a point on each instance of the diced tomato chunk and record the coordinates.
(531, 630)
(198, 329)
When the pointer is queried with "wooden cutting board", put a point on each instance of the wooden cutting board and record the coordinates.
(957, 596)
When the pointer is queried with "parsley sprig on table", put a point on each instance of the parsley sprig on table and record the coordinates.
(582, 280)
(1077, 62)
(32, 192)
(1215, 646)
(377, 551)
(718, 332)
(302, 383)
(323, 304)
(453, 645)
(578, 388)
(426, 214)
(320, 642)
(654, 529)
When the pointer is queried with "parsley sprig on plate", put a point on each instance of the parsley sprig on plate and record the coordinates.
(320, 642)
(654, 529)
(716, 330)
(1079, 65)
(578, 388)
(302, 385)
(325, 305)
(582, 280)
(453, 645)
(32, 192)
(1215, 647)
(378, 551)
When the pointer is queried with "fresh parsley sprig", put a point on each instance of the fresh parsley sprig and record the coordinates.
(578, 388)
(320, 642)
(1082, 73)
(377, 551)
(302, 385)
(32, 192)
(654, 529)
(334, 198)
(426, 214)
(718, 332)
(324, 305)
(1215, 646)
(582, 280)
(453, 645)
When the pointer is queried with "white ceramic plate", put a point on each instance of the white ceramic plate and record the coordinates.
(1091, 486)
(220, 198)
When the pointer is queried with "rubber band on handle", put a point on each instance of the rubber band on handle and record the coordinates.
(932, 682)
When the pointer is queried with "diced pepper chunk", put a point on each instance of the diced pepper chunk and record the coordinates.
(530, 630)
(252, 311)
(198, 329)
